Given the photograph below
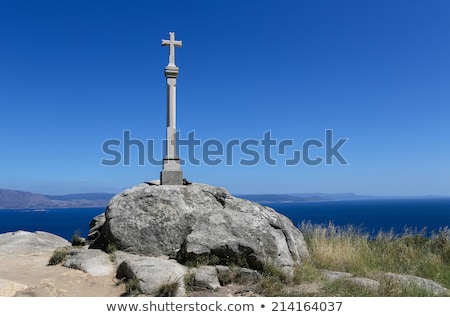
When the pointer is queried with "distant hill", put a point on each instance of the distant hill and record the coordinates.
(281, 198)
(292, 198)
(15, 199)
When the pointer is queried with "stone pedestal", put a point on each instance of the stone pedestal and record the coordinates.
(172, 177)
(171, 173)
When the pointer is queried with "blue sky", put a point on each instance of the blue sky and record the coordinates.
(74, 74)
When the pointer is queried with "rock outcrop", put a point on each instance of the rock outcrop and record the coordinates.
(419, 282)
(403, 279)
(25, 269)
(25, 243)
(198, 222)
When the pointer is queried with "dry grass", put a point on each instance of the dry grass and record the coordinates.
(58, 256)
(350, 250)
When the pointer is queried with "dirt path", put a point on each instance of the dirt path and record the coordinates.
(29, 275)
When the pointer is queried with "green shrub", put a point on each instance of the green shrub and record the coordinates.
(59, 255)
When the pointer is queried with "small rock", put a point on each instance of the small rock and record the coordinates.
(91, 261)
(367, 283)
(238, 275)
(422, 283)
(332, 275)
(152, 273)
(247, 276)
(206, 278)
(95, 226)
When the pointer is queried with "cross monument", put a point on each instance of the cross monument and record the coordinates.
(171, 173)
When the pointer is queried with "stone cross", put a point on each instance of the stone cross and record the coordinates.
(171, 173)
(172, 44)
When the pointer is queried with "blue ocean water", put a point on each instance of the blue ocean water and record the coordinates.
(369, 215)
(62, 222)
(372, 216)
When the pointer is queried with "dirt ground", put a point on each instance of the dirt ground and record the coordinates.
(29, 275)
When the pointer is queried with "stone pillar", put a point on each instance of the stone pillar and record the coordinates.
(171, 173)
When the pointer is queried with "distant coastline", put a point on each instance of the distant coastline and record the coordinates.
(322, 197)
(16, 199)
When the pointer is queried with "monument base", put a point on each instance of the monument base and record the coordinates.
(172, 178)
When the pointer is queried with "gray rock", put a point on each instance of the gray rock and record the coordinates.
(94, 262)
(244, 275)
(206, 278)
(95, 226)
(332, 275)
(236, 274)
(365, 282)
(422, 283)
(26, 243)
(152, 273)
(198, 220)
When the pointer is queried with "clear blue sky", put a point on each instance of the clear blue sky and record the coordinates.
(76, 73)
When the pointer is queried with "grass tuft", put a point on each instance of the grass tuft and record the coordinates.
(189, 281)
(77, 240)
(168, 289)
(132, 287)
(58, 256)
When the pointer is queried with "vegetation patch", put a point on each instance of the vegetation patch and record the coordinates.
(168, 289)
(132, 287)
(348, 249)
(77, 240)
(189, 281)
(59, 255)
(273, 282)
(111, 247)
(203, 259)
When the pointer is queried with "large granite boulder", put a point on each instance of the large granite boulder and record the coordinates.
(198, 222)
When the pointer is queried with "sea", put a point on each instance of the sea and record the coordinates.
(426, 215)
